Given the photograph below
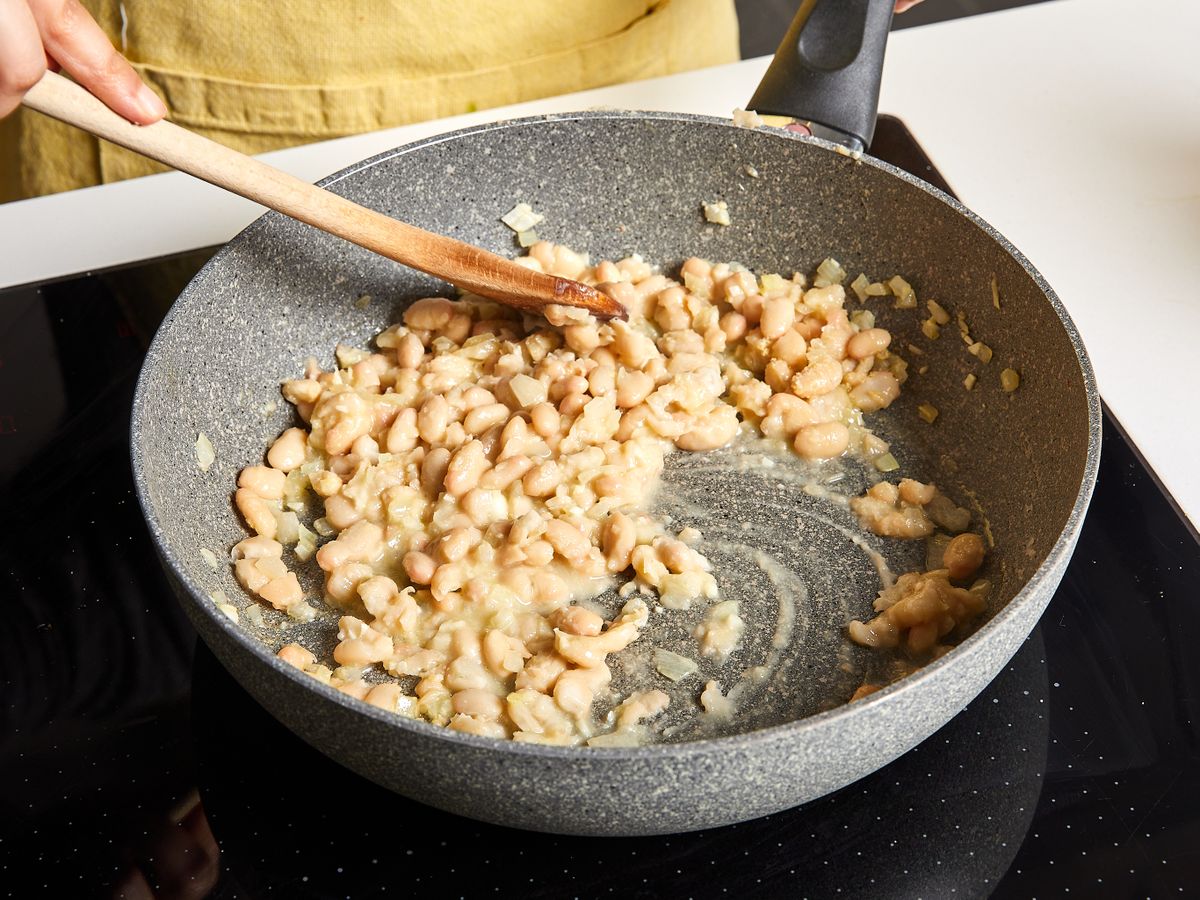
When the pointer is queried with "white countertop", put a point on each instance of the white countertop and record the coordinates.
(1072, 126)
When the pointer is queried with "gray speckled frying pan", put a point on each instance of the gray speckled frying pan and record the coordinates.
(613, 184)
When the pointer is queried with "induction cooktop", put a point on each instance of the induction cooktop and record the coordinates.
(132, 765)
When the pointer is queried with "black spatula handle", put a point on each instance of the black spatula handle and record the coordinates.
(828, 67)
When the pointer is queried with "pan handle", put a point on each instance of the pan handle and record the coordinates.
(827, 70)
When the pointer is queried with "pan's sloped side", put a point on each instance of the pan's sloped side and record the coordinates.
(614, 184)
(674, 788)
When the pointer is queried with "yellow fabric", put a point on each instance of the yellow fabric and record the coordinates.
(260, 76)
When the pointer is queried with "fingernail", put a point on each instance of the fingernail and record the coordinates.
(150, 104)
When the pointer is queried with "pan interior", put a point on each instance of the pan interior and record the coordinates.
(613, 185)
(783, 545)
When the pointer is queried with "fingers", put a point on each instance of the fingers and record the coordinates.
(905, 5)
(22, 60)
(79, 45)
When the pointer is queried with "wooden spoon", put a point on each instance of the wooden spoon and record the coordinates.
(468, 267)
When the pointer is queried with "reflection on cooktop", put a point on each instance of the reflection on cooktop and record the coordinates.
(131, 767)
(949, 815)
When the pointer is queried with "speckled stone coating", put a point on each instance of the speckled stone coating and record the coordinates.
(611, 184)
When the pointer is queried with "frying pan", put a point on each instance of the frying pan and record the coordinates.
(614, 183)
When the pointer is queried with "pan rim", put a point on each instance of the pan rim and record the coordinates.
(795, 730)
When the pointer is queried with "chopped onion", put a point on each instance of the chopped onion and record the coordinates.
(528, 391)
(750, 170)
(626, 738)
(930, 329)
(935, 550)
(527, 238)
(937, 312)
(406, 705)
(859, 285)
(863, 318)
(773, 283)
(301, 612)
(716, 704)
(322, 527)
(672, 666)
(995, 292)
(223, 604)
(319, 672)
(210, 558)
(295, 490)
(363, 301)
(717, 213)
(1010, 380)
(348, 356)
(254, 615)
(829, 272)
(982, 350)
(747, 118)
(906, 297)
(928, 412)
(969, 381)
(521, 218)
(288, 530)
(205, 454)
(306, 544)
(701, 287)
(887, 463)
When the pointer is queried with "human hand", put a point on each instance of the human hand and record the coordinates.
(905, 5)
(36, 35)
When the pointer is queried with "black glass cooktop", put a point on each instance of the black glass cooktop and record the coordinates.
(131, 765)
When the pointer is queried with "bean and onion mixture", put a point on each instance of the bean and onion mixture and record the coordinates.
(485, 474)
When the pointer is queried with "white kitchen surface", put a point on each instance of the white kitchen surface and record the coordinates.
(1072, 126)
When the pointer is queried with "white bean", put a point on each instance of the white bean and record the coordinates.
(823, 441)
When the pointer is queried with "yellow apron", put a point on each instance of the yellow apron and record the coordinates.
(260, 76)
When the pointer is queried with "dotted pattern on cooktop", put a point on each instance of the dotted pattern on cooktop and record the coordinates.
(127, 766)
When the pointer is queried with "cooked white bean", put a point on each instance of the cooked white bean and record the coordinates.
(778, 314)
(546, 420)
(791, 348)
(503, 466)
(577, 620)
(265, 482)
(481, 418)
(346, 417)
(361, 542)
(402, 435)
(433, 470)
(868, 343)
(714, 429)
(823, 441)
(506, 472)
(289, 449)
(256, 512)
(542, 480)
(567, 540)
(820, 376)
(466, 466)
(410, 351)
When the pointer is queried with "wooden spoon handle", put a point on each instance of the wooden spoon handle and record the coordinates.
(464, 265)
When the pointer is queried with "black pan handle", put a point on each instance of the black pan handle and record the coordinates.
(827, 70)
